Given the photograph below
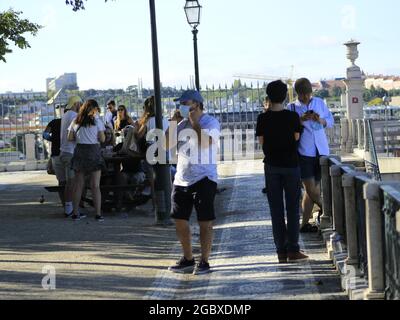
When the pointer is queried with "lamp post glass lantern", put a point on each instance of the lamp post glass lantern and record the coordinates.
(193, 13)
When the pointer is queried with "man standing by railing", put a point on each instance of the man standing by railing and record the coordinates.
(315, 117)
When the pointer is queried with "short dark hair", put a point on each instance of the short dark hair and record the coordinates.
(277, 91)
(112, 103)
(303, 86)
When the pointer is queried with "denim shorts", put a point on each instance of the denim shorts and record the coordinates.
(310, 168)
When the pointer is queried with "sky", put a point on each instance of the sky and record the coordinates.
(109, 44)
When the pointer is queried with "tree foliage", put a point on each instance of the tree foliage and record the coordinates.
(77, 4)
(323, 93)
(12, 28)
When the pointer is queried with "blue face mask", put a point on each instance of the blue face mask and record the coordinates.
(185, 110)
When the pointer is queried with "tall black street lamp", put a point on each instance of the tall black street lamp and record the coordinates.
(193, 13)
(163, 177)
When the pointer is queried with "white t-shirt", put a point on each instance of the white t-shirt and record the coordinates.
(190, 169)
(88, 135)
(109, 118)
(66, 120)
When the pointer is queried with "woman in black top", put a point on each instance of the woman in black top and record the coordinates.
(279, 131)
(123, 119)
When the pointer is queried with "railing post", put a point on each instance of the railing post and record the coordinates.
(355, 132)
(30, 147)
(344, 133)
(337, 200)
(360, 134)
(366, 136)
(348, 182)
(374, 218)
(326, 218)
(349, 144)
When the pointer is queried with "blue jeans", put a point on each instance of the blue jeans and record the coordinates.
(284, 183)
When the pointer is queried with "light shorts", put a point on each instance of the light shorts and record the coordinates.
(66, 162)
(59, 170)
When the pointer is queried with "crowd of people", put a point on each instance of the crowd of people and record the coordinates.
(80, 141)
(292, 136)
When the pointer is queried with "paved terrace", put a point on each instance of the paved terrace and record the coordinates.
(126, 258)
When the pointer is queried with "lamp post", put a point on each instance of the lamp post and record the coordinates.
(163, 178)
(193, 13)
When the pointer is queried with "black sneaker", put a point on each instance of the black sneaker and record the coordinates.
(99, 219)
(183, 266)
(79, 217)
(202, 268)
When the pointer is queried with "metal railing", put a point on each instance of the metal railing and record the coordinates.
(18, 118)
(391, 209)
(363, 215)
(236, 107)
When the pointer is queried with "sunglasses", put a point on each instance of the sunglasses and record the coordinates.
(121, 110)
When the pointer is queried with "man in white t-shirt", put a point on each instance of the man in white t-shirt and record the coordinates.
(195, 181)
(67, 149)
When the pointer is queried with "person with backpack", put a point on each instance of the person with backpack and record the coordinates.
(52, 133)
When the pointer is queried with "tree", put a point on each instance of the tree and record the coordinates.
(77, 4)
(337, 91)
(12, 27)
(322, 93)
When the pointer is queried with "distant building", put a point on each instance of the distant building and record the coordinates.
(67, 81)
(27, 94)
(380, 81)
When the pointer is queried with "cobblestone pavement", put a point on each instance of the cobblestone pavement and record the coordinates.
(126, 258)
(244, 260)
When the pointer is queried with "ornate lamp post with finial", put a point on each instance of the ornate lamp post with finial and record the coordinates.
(354, 92)
(193, 13)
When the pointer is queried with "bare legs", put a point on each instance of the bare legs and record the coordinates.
(312, 195)
(78, 189)
(95, 187)
(206, 239)
(61, 194)
(185, 237)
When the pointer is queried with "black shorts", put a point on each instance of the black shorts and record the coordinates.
(310, 168)
(201, 195)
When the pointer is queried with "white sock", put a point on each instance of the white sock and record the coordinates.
(68, 207)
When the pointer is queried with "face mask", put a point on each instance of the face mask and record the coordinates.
(185, 110)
